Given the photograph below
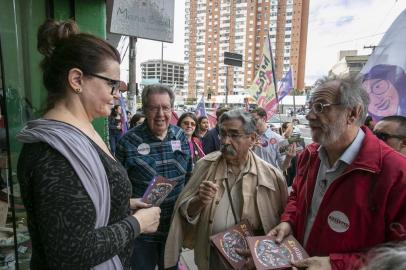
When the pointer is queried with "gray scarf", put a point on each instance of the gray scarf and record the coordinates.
(85, 160)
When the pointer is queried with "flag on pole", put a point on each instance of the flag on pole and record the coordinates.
(123, 116)
(384, 75)
(212, 120)
(211, 116)
(200, 108)
(285, 86)
(263, 86)
(174, 118)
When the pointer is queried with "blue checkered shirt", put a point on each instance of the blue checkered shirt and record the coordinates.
(163, 158)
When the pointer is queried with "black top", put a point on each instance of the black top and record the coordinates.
(61, 215)
(113, 125)
(211, 141)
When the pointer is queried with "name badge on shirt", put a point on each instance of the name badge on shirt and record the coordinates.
(263, 142)
(143, 149)
(338, 221)
(176, 146)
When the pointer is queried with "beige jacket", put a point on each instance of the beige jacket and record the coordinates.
(271, 197)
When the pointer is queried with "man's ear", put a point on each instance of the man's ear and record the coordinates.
(75, 78)
(253, 137)
(354, 114)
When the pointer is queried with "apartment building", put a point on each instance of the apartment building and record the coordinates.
(349, 62)
(172, 72)
(213, 27)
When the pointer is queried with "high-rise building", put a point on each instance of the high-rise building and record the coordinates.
(213, 27)
(172, 73)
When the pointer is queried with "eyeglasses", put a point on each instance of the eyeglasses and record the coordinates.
(155, 109)
(233, 136)
(115, 84)
(385, 136)
(319, 107)
(187, 123)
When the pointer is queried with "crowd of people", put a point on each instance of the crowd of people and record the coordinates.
(83, 199)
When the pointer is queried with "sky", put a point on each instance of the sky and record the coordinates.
(334, 25)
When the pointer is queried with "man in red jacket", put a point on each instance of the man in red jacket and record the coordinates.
(349, 193)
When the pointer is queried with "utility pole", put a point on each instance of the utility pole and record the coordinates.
(132, 80)
(370, 47)
(227, 85)
(231, 59)
(162, 62)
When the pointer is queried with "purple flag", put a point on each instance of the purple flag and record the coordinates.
(285, 85)
(384, 75)
(200, 109)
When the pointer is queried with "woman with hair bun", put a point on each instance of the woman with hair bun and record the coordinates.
(76, 194)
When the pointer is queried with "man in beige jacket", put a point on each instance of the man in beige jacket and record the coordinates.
(226, 186)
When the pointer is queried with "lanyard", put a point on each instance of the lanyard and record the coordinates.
(230, 199)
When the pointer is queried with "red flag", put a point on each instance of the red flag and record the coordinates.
(212, 120)
(174, 119)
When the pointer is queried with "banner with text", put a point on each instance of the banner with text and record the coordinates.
(263, 86)
(153, 19)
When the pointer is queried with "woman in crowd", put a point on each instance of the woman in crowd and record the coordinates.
(114, 127)
(203, 124)
(137, 120)
(188, 122)
(286, 129)
(76, 194)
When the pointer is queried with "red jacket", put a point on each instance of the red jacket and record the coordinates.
(362, 208)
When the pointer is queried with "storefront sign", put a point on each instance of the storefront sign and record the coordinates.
(151, 19)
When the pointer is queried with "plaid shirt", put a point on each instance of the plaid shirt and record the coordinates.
(145, 156)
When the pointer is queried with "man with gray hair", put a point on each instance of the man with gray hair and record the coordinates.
(226, 186)
(349, 193)
(391, 256)
(155, 148)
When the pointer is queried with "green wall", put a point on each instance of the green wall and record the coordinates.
(22, 78)
(90, 15)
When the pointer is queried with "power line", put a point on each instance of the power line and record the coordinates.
(351, 40)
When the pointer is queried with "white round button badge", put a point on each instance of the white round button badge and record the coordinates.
(338, 221)
(143, 149)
